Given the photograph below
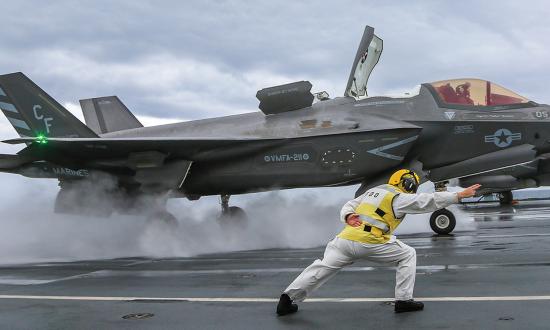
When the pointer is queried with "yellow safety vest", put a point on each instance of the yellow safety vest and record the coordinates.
(376, 213)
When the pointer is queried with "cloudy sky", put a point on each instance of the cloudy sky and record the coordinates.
(185, 60)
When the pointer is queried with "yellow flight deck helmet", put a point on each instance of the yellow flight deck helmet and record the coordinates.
(406, 180)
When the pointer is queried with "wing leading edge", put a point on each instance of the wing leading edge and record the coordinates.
(89, 149)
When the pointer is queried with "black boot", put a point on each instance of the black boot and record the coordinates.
(410, 305)
(286, 306)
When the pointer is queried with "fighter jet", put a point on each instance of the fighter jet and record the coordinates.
(455, 128)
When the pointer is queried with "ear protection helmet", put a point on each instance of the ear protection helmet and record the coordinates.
(406, 180)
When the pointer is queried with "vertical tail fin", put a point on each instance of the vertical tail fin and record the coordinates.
(32, 112)
(108, 114)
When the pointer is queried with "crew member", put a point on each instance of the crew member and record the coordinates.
(463, 93)
(370, 221)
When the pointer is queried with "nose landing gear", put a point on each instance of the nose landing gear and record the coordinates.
(442, 222)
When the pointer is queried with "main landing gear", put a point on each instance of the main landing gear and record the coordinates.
(505, 198)
(231, 215)
(86, 198)
(164, 218)
(152, 206)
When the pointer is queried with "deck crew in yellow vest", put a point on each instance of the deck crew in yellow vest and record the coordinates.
(370, 221)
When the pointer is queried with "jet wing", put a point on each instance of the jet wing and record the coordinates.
(90, 149)
(154, 151)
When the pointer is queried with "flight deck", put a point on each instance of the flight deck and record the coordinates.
(495, 276)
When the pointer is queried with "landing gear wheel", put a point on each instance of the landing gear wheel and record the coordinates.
(236, 212)
(443, 222)
(64, 203)
(163, 218)
(505, 198)
(233, 216)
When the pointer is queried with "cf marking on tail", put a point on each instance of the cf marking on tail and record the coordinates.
(40, 116)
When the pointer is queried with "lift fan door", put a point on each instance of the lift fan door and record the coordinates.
(284, 98)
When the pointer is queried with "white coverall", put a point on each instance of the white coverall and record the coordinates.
(342, 252)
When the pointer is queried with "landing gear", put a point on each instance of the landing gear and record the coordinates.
(443, 222)
(505, 198)
(164, 218)
(157, 213)
(224, 201)
(231, 215)
(441, 186)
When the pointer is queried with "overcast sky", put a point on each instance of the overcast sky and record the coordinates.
(186, 60)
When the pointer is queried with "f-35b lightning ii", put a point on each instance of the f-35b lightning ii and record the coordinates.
(457, 128)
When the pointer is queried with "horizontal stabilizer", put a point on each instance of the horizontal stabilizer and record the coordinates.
(108, 114)
(12, 161)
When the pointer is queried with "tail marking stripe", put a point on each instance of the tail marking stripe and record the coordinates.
(8, 107)
(18, 123)
(2, 93)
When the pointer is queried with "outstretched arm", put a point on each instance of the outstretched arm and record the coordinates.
(425, 203)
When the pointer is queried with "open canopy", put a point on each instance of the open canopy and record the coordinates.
(475, 92)
(366, 58)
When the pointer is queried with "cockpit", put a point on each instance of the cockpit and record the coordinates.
(475, 92)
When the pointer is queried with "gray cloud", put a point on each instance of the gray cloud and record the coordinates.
(199, 59)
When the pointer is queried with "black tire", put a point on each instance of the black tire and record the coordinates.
(443, 222)
(64, 203)
(234, 216)
(163, 218)
(505, 197)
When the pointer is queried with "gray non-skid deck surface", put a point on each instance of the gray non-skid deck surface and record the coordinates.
(509, 255)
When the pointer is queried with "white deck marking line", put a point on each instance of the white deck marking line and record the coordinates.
(511, 235)
(25, 281)
(270, 300)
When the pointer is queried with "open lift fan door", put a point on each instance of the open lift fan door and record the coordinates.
(283, 98)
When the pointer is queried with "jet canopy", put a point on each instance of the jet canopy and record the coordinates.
(366, 58)
(475, 92)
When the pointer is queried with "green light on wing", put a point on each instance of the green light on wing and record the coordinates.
(41, 139)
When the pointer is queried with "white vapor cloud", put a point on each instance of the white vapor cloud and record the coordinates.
(289, 219)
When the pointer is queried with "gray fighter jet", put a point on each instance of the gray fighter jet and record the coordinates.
(458, 128)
